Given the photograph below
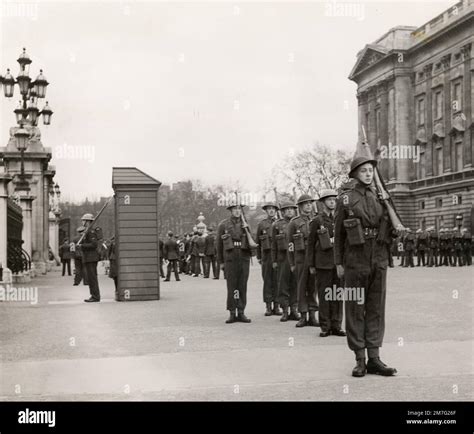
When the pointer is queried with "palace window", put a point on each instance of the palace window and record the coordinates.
(439, 202)
(420, 111)
(421, 204)
(457, 97)
(439, 160)
(438, 104)
(422, 165)
(458, 156)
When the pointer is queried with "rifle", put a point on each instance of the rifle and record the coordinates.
(382, 191)
(245, 225)
(94, 221)
(279, 215)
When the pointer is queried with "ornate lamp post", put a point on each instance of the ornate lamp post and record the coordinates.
(27, 113)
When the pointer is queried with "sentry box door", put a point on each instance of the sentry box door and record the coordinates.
(136, 234)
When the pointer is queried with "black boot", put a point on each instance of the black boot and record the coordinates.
(276, 309)
(359, 369)
(242, 318)
(294, 315)
(232, 318)
(285, 315)
(376, 366)
(302, 322)
(269, 312)
(312, 319)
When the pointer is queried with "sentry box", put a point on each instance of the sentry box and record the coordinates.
(136, 234)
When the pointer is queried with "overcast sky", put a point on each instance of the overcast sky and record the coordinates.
(218, 91)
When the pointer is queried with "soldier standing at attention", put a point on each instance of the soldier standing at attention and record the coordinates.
(171, 254)
(286, 279)
(90, 257)
(233, 255)
(298, 232)
(321, 264)
(432, 247)
(264, 256)
(421, 246)
(409, 248)
(450, 247)
(210, 252)
(466, 246)
(457, 248)
(65, 255)
(79, 271)
(363, 235)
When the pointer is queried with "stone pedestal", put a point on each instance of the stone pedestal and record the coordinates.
(4, 180)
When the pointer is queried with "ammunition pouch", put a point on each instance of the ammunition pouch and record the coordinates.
(227, 242)
(324, 238)
(281, 242)
(355, 234)
(265, 242)
(298, 241)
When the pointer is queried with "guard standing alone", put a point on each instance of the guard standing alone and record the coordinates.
(90, 257)
(233, 255)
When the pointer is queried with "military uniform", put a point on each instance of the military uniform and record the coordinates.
(298, 233)
(210, 258)
(466, 248)
(197, 253)
(264, 256)
(362, 243)
(421, 247)
(286, 279)
(457, 249)
(321, 257)
(234, 252)
(409, 248)
(443, 248)
(90, 257)
(65, 255)
(79, 271)
(433, 241)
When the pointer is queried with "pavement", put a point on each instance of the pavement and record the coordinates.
(179, 348)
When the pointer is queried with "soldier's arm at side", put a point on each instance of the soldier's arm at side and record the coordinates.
(313, 227)
(257, 238)
(219, 245)
(274, 242)
(339, 234)
(291, 249)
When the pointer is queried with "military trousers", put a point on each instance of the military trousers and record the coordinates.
(421, 258)
(79, 272)
(286, 281)
(237, 268)
(467, 256)
(269, 276)
(306, 289)
(409, 262)
(91, 272)
(432, 258)
(330, 307)
(365, 292)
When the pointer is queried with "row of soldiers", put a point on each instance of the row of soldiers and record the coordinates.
(192, 254)
(449, 247)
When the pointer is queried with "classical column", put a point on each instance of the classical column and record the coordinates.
(362, 108)
(446, 62)
(467, 107)
(392, 167)
(428, 70)
(372, 127)
(4, 180)
(383, 133)
(403, 119)
(26, 235)
(54, 233)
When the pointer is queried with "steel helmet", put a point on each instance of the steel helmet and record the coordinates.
(87, 216)
(286, 205)
(327, 193)
(270, 204)
(304, 198)
(359, 161)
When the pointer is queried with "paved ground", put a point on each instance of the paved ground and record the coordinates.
(179, 348)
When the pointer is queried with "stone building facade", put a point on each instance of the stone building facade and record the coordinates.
(415, 100)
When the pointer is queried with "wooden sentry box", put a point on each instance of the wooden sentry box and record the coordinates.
(136, 234)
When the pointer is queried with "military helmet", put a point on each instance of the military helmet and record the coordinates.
(81, 229)
(304, 198)
(328, 192)
(270, 204)
(359, 161)
(170, 233)
(87, 216)
(233, 204)
(419, 231)
(210, 228)
(286, 205)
